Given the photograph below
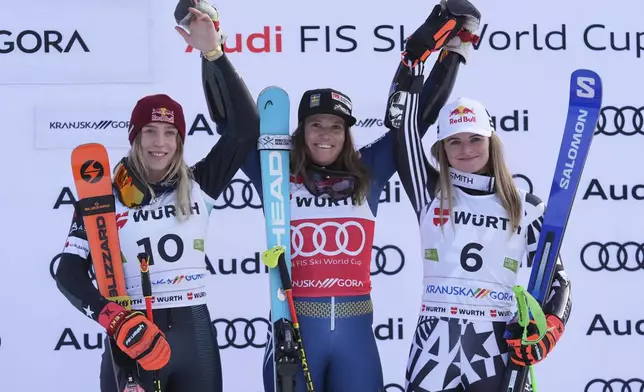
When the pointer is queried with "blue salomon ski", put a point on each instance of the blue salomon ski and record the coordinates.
(583, 111)
(274, 144)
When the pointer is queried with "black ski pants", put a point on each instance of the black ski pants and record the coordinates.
(194, 364)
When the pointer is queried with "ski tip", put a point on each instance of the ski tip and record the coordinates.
(585, 72)
(89, 150)
(586, 87)
(273, 90)
(271, 95)
(89, 146)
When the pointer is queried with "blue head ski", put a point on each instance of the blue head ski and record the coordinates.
(274, 144)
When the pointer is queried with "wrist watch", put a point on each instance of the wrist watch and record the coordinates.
(213, 54)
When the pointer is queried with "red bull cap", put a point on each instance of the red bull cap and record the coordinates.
(464, 115)
(157, 108)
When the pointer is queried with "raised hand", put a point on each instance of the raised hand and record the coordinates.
(451, 24)
(200, 27)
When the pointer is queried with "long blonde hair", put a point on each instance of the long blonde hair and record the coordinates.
(178, 169)
(504, 184)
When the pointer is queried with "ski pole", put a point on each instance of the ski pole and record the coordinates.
(146, 288)
(275, 258)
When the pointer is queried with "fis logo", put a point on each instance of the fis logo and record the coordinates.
(461, 114)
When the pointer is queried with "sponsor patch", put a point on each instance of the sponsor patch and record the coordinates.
(163, 115)
(77, 246)
(341, 98)
(339, 108)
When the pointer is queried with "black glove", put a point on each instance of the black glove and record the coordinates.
(446, 21)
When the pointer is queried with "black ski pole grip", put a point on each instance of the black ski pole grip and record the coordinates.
(146, 285)
(284, 275)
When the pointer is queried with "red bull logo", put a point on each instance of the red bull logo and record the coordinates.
(462, 114)
(163, 115)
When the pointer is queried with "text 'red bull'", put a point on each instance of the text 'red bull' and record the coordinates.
(462, 114)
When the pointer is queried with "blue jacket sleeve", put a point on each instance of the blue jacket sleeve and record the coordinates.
(379, 158)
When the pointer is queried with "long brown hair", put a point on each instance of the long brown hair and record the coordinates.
(504, 188)
(348, 160)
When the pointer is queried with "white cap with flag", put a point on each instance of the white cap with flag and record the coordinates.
(464, 115)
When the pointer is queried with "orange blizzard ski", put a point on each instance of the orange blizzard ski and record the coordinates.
(91, 168)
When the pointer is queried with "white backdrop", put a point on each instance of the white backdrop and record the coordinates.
(108, 54)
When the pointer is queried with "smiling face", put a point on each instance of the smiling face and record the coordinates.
(158, 146)
(324, 135)
(467, 152)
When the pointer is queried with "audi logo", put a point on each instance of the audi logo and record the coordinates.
(53, 267)
(612, 256)
(241, 333)
(394, 388)
(328, 239)
(615, 385)
(240, 194)
(522, 181)
(627, 121)
(347, 238)
(387, 260)
(237, 195)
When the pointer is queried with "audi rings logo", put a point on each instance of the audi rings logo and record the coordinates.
(328, 239)
(394, 388)
(241, 332)
(387, 260)
(522, 181)
(627, 121)
(237, 195)
(240, 193)
(615, 385)
(613, 256)
(53, 267)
